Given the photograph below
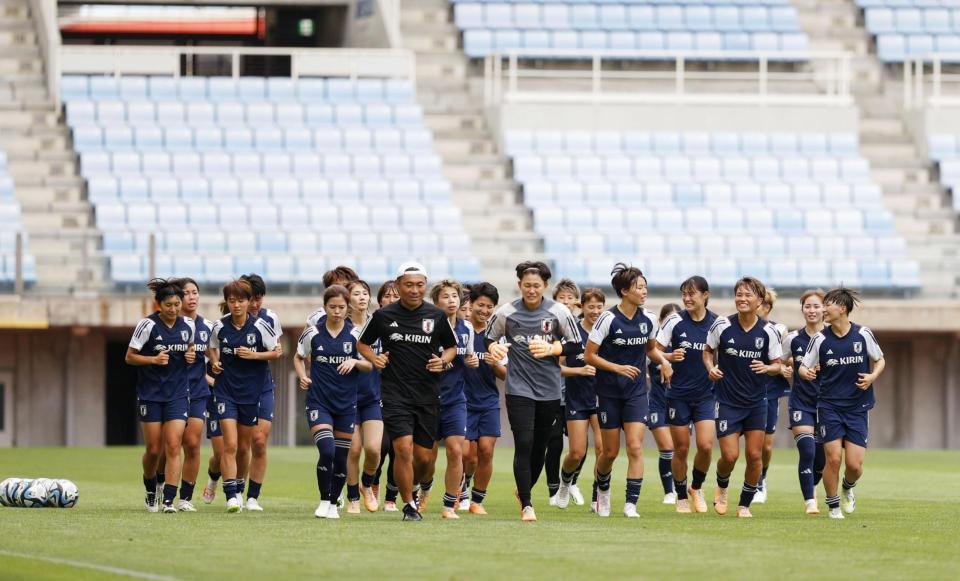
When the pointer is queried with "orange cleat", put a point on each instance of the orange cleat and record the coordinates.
(743, 512)
(683, 506)
(699, 503)
(370, 501)
(477, 508)
(720, 501)
(528, 514)
(449, 513)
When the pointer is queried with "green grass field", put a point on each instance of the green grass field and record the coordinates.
(907, 525)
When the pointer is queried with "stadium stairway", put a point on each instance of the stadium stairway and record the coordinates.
(450, 92)
(56, 217)
(922, 211)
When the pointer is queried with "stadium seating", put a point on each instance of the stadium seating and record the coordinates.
(913, 28)
(796, 210)
(673, 25)
(944, 151)
(275, 175)
(10, 224)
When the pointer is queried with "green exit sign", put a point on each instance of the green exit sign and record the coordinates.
(305, 27)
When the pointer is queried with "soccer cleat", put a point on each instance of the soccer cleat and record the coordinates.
(210, 491)
(151, 503)
(761, 496)
(683, 506)
(720, 501)
(836, 513)
(341, 502)
(254, 505)
(411, 515)
(169, 509)
(370, 499)
(234, 504)
(576, 495)
(464, 505)
(593, 506)
(477, 508)
(353, 507)
(554, 501)
(422, 500)
(563, 495)
(630, 510)
(810, 507)
(333, 512)
(390, 506)
(449, 513)
(603, 503)
(186, 506)
(848, 501)
(322, 509)
(743, 512)
(699, 503)
(670, 498)
(528, 514)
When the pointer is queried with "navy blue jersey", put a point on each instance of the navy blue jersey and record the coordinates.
(163, 383)
(777, 385)
(480, 384)
(452, 380)
(841, 360)
(658, 392)
(804, 394)
(735, 349)
(197, 373)
(623, 341)
(581, 390)
(242, 379)
(368, 390)
(690, 381)
(274, 321)
(328, 389)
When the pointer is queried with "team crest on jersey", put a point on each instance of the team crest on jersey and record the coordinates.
(143, 411)
(185, 335)
(643, 329)
(603, 417)
(758, 342)
(546, 325)
(797, 415)
(672, 412)
(427, 326)
(857, 347)
(723, 425)
(654, 417)
(314, 414)
(213, 425)
(221, 408)
(203, 336)
(347, 347)
(251, 339)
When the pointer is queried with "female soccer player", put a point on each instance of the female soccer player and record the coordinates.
(341, 275)
(543, 330)
(741, 351)
(802, 407)
(369, 433)
(690, 397)
(581, 406)
(658, 424)
(199, 393)
(386, 295)
(777, 387)
(162, 348)
(566, 293)
(332, 387)
(618, 346)
(241, 345)
(850, 361)
(483, 400)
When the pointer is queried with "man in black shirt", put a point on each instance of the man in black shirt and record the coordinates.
(411, 333)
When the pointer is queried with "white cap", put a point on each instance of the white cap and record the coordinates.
(414, 268)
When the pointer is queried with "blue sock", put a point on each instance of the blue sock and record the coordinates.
(681, 489)
(833, 502)
(633, 489)
(723, 481)
(698, 478)
(477, 495)
(366, 479)
(763, 477)
(353, 492)
(666, 470)
(341, 451)
(169, 493)
(426, 486)
(819, 461)
(576, 473)
(596, 485)
(323, 439)
(150, 484)
(229, 488)
(161, 479)
(186, 490)
(848, 485)
(213, 475)
(465, 487)
(603, 482)
(254, 491)
(449, 500)
(566, 477)
(807, 448)
(392, 493)
(746, 494)
(241, 485)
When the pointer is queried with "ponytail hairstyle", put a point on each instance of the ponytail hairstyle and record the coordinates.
(844, 297)
(811, 293)
(387, 286)
(349, 286)
(624, 277)
(238, 288)
(593, 294)
(163, 289)
(770, 298)
(669, 309)
(258, 288)
(184, 281)
(696, 283)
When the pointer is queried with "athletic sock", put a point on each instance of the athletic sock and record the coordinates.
(576, 473)
(566, 477)
(603, 482)
(833, 502)
(214, 476)
(241, 485)
(366, 480)
(477, 495)
(323, 439)
(819, 461)
(681, 486)
(169, 493)
(392, 493)
(426, 486)
(699, 477)
(723, 481)
(161, 479)
(186, 490)
(254, 491)
(353, 492)
(465, 486)
(666, 470)
(763, 477)
(847, 486)
(746, 494)
(449, 500)
(807, 449)
(633, 490)
(229, 488)
(596, 489)
(150, 485)
(341, 451)
(553, 488)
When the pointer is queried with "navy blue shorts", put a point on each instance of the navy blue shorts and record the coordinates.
(799, 417)
(198, 407)
(163, 411)
(773, 414)
(369, 412)
(682, 413)
(657, 414)
(482, 423)
(213, 419)
(341, 422)
(737, 420)
(267, 405)
(615, 411)
(453, 421)
(245, 414)
(837, 425)
(574, 415)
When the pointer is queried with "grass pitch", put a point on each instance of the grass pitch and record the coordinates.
(907, 525)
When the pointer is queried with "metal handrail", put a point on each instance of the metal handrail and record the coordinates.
(915, 81)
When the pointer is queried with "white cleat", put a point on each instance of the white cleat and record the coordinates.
(185, 506)
(390, 506)
(761, 496)
(209, 491)
(670, 498)
(464, 505)
(234, 504)
(322, 509)
(576, 495)
(836, 513)
(810, 507)
(630, 510)
(169, 509)
(848, 501)
(254, 505)
(563, 495)
(150, 502)
(603, 503)
(553, 500)
(333, 512)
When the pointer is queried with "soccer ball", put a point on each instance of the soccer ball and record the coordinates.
(68, 494)
(35, 494)
(15, 491)
(6, 487)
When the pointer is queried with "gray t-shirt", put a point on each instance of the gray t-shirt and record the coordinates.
(537, 379)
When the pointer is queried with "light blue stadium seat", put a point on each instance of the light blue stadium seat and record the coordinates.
(526, 16)
(784, 273)
(375, 269)
(170, 114)
(879, 20)
(891, 47)
(251, 88)
(281, 89)
(217, 269)
(477, 43)
(127, 268)
(118, 241)
(180, 243)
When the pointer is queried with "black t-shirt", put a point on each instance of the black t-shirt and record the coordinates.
(411, 337)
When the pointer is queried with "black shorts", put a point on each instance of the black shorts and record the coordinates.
(526, 414)
(412, 419)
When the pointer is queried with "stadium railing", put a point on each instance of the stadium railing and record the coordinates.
(48, 33)
(943, 80)
(823, 79)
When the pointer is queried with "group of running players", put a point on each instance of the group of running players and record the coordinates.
(392, 384)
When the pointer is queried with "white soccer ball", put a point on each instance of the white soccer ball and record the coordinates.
(35, 494)
(6, 487)
(15, 491)
(69, 494)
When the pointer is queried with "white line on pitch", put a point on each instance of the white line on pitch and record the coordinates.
(93, 566)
